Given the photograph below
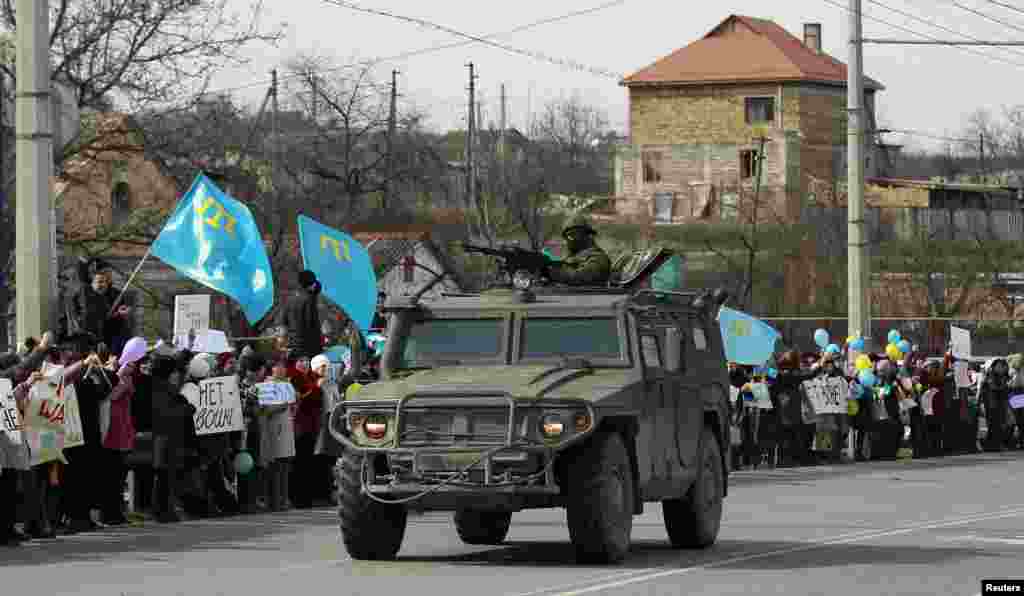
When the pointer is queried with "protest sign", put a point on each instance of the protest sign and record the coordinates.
(10, 419)
(827, 395)
(273, 394)
(211, 341)
(74, 436)
(218, 405)
(44, 424)
(191, 313)
(960, 342)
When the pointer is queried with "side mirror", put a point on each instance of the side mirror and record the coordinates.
(673, 348)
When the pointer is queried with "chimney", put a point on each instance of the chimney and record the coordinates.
(812, 36)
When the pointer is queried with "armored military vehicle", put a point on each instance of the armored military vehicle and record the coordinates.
(597, 400)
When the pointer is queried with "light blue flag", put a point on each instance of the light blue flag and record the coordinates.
(344, 268)
(748, 340)
(213, 239)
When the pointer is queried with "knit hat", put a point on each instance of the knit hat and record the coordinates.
(319, 361)
(306, 278)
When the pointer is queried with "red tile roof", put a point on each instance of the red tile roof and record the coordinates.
(745, 50)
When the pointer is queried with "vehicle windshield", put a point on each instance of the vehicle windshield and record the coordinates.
(436, 341)
(592, 338)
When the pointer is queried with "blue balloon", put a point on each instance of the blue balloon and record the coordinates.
(867, 378)
(895, 337)
(772, 373)
(857, 345)
(904, 346)
(821, 338)
(833, 349)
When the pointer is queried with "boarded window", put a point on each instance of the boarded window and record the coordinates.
(653, 164)
(748, 163)
(760, 110)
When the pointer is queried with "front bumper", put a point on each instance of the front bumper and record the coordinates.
(514, 467)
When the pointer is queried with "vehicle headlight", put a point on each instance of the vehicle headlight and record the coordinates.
(551, 426)
(375, 427)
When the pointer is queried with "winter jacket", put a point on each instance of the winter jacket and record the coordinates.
(171, 411)
(301, 319)
(93, 389)
(121, 433)
(310, 400)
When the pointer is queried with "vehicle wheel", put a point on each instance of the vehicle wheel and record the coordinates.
(600, 506)
(482, 527)
(371, 531)
(694, 521)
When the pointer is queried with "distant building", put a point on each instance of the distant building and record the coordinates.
(696, 115)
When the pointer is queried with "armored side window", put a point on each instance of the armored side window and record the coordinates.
(700, 341)
(650, 348)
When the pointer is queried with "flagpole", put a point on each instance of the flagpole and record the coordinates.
(130, 279)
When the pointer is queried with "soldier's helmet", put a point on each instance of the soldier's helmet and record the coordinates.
(579, 222)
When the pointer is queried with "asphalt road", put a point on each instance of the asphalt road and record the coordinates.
(919, 527)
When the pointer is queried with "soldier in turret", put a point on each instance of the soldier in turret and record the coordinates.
(587, 263)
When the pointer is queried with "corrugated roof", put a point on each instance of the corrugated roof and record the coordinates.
(745, 49)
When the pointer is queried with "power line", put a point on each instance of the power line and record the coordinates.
(928, 23)
(420, 51)
(1007, 6)
(566, 63)
(986, 16)
(923, 35)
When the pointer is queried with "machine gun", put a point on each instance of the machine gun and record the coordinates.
(515, 262)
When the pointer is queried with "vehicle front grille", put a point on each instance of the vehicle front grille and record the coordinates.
(438, 426)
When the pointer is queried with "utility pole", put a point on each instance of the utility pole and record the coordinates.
(981, 157)
(859, 274)
(504, 119)
(34, 146)
(471, 139)
(390, 160)
(275, 150)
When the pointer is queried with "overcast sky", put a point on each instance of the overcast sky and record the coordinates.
(928, 89)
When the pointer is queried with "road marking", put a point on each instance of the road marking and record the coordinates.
(630, 578)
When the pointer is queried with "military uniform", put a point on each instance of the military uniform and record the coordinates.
(589, 266)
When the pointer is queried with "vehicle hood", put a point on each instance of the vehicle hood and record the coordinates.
(525, 382)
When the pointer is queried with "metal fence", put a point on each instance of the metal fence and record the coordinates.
(931, 335)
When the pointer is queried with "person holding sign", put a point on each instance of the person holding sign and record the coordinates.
(277, 444)
(14, 457)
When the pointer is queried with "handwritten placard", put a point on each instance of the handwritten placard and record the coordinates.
(273, 394)
(74, 436)
(44, 424)
(10, 419)
(218, 405)
(191, 313)
(827, 395)
(762, 397)
(960, 342)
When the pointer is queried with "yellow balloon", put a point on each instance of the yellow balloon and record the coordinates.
(893, 352)
(863, 362)
(352, 390)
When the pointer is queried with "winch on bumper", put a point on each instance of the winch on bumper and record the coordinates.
(461, 449)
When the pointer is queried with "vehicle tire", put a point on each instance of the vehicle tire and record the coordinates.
(371, 531)
(694, 521)
(482, 527)
(600, 504)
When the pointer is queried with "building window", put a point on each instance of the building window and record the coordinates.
(652, 165)
(748, 164)
(760, 110)
(121, 203)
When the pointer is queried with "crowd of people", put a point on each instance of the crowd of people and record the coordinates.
(911, 404)
(137, 412)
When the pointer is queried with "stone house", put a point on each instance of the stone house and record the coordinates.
(104, 193)
(696, 118)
